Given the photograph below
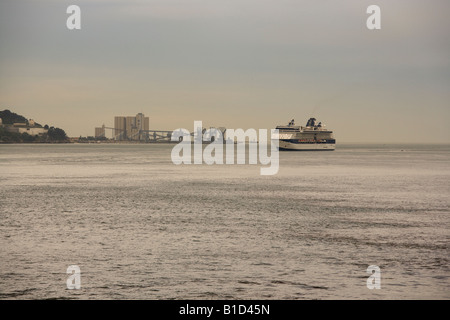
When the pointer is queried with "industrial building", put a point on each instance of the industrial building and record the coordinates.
(130, 128)
(100, 132)
(136, 128)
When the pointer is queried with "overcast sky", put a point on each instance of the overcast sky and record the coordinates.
(233, 63)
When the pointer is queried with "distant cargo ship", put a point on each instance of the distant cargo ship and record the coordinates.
(313, 137)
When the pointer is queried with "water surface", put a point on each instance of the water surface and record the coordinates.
(140, 227)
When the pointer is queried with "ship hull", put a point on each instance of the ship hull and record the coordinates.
(289, 146)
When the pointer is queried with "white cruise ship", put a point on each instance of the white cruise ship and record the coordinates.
(313, 137)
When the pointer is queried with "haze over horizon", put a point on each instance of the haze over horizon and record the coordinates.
(236, 64)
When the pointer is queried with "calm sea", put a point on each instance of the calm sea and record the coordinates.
(140, 227)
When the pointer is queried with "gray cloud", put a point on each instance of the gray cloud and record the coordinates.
(236, 63)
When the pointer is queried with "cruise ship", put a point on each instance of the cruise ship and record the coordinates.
(313, 137)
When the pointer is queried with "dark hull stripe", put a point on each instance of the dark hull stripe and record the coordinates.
(295, 141)
(284, 149)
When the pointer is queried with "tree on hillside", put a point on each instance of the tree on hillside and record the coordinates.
(56, 134)
(9, 117)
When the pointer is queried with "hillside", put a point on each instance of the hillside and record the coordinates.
(10, 134)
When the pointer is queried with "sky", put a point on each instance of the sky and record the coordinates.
(231, 63)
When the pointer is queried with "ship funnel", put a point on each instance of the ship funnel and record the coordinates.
(311, 122)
